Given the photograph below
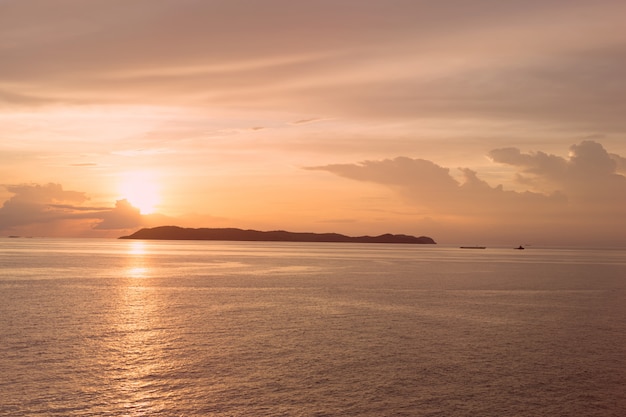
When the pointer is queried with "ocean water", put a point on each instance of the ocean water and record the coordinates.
(92, 327)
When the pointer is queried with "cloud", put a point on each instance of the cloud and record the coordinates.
(620, 163)
(582, 193)
(546, 170)
(9, 98)
(484, 62)
(34, 203)
(428, 185)
(589, 176)
(38, 205)
(308, 121)
(123, 216)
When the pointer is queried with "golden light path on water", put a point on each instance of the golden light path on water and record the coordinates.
(138, 345)
(138, 263)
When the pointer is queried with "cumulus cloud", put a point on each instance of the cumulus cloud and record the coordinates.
(34, 204)
(123, 216)
(589, 176)
(428, 185)
(620, 163)
(582, 193)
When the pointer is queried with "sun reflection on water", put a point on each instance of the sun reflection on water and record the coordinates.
(136, 349)
(138, 262)
(137, 247)
(137, 272)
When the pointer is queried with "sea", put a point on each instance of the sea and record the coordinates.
(106, 327)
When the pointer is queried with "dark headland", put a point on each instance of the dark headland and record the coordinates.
(180, 233)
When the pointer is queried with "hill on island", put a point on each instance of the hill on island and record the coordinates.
(232, 234)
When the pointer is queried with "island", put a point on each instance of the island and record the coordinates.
(233, 234)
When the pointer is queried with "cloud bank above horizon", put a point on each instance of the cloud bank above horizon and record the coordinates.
(587, 188)
(50, 204)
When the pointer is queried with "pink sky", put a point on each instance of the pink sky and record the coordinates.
(482, 122)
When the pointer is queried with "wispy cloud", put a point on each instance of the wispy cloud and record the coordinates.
(308, 121)
(492, 60)
(143, 152)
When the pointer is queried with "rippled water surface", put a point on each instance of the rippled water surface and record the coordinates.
(143, 328)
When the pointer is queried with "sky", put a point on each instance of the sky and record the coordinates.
(472, 122)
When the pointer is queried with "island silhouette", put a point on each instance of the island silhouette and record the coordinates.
(234, 234)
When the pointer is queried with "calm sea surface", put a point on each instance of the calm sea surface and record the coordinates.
(93, 327)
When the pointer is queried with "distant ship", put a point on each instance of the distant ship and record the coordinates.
(473, 247)
(520, 247)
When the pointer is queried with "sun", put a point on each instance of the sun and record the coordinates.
(140, 189)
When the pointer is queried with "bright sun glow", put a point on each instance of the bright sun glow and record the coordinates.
(141, 190)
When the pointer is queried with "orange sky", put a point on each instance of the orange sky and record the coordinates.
(483, 122)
